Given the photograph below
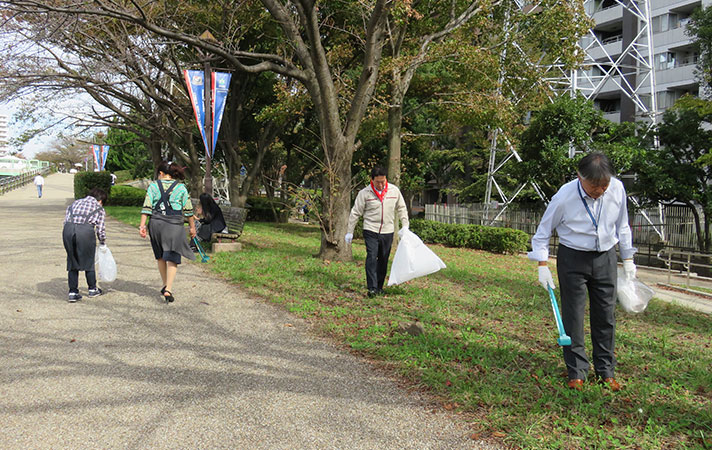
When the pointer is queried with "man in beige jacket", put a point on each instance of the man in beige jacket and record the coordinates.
(377, 203)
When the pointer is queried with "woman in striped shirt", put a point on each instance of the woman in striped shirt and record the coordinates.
(168, 202)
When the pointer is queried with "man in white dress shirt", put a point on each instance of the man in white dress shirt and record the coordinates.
(590, 216)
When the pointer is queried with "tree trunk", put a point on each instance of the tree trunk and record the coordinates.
(336, 205)
(395, 122)
(707, 231)
(698, 227)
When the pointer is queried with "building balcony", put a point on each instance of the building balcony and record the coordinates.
(613, 116)
(608, 16)
(681, 75)
(676, 37)
(610, 86)
(611, 46)
(661, 6)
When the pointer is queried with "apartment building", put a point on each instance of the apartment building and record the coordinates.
(3, 135)
(617, 30)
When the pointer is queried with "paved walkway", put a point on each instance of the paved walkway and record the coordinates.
(658, 280)
(216, 369)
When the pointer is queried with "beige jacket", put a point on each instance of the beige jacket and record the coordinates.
(377, 216)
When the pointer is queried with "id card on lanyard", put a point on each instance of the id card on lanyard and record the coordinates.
(588, 210)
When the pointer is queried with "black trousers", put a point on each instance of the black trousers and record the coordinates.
(378, 248)
(73, 276)
(592, 273)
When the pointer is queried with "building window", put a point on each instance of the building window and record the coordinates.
(664, 61)
(669, 21)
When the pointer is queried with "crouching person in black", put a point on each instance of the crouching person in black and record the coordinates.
(84, 218)
(212, 221)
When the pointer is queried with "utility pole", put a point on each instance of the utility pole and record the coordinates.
(207, 82)
(207, 79)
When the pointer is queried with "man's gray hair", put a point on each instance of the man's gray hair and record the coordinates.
(595, 167)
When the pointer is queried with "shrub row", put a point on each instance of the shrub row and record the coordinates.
(260, 210)
(86, 181)
(126, 196)
(493, 239)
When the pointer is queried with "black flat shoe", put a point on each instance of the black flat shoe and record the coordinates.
(168, 298)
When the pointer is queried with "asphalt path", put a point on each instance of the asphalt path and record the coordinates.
(216, 369)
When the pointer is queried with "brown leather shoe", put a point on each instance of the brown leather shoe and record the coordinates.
(612, 384)
(575, 383)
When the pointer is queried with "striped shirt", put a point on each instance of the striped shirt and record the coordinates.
(178, 198)
(85, 206)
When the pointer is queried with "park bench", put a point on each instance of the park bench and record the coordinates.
(235, 220)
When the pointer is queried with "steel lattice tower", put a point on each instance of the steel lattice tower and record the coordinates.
(622, 62)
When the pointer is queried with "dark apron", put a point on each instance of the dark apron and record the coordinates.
(166, 227)
(79, 242)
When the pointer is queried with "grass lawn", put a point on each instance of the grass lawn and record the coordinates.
(489, 348)
(126, 214)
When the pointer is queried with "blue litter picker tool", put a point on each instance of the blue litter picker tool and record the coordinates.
(203, 256)
(563, 338)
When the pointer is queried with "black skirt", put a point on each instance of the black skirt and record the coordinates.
(80, 244)
(168, 235)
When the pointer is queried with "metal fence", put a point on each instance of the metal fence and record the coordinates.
(670, 227)
(8, 184)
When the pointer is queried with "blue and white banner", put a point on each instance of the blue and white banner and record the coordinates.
(196, 90)
(104, 154)
(96, 149)
(220, 85)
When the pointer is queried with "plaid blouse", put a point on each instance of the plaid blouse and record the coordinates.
(85, 206)
(178, 198)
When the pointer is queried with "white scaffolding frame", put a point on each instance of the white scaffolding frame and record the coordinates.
(560, 81)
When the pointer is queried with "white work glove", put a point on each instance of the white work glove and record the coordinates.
(349, 237)
(545, 277)
(629, 268)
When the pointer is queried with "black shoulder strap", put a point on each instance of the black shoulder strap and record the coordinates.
(170, 188)
(165, 195)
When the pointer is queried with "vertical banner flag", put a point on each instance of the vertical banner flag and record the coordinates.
(97, 156)
(196, 90)
(220, 84)
(104, 154)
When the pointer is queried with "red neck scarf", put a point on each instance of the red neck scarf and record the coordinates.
(382, 195)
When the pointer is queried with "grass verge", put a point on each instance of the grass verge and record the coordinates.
(489, 348)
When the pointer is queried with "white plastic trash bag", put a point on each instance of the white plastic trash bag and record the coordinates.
(413, 259)
(105, 264)
(633, 294)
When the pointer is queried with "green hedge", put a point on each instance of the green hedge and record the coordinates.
(260, 210)
(493, 239)
(126, 196)
(123, 176)
(86, 181)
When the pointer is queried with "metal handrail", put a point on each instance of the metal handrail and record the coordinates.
(685, 261)
(10, 183)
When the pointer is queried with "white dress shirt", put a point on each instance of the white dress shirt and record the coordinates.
(575, 226)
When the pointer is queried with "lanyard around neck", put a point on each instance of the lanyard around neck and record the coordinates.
(588, 210)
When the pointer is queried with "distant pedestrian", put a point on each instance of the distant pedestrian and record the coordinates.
(39, 183)
(113, 179)
(378, 203)
(305, 210)
(168, 202)
(84, 218)
(590, 217)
